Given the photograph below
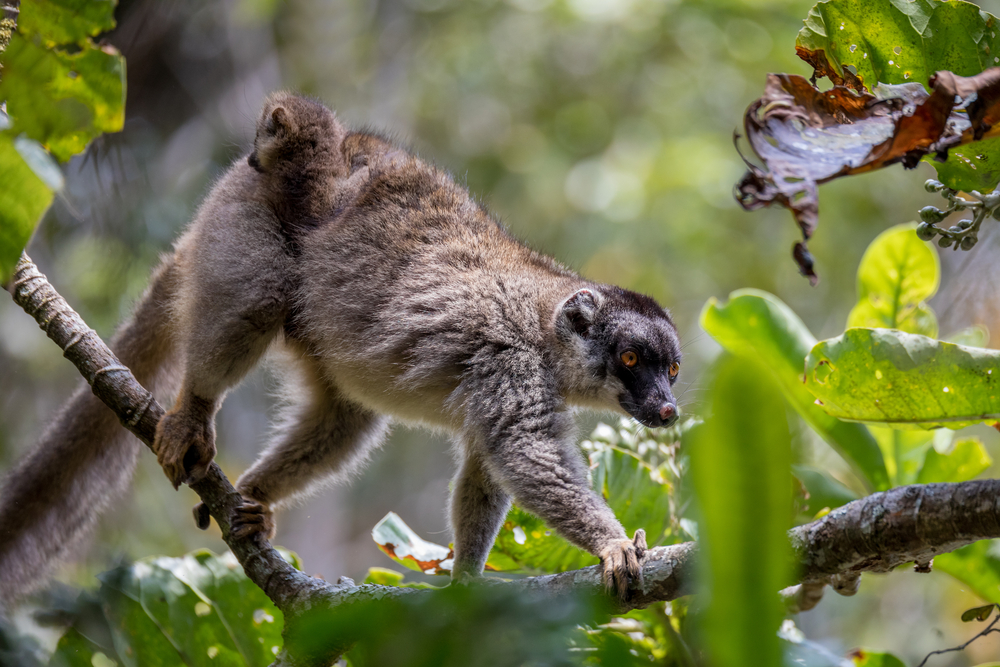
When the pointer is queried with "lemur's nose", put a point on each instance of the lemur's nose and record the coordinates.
(667, 410)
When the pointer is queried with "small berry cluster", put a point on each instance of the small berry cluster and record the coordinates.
(965, 233)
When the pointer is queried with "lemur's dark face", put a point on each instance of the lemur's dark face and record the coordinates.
(631, 349)
(643, 351)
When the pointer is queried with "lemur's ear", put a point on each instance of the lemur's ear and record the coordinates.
(578, 311)
(277, 121)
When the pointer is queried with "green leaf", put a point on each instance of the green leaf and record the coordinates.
(24, 197)
(75, 650)
(740, 461)
(403, 545)
(66, 21)
(904, 380)
(61, 99)
(978, 613)
(906, 41)
(757, 325)
(965, 461)
(977, 566)
(863, 657)
(196, 610)
(901, 41)
(898, 273)
(974, 166)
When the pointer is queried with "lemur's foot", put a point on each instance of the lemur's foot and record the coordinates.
(251, 518)
(201, 516)
(185, 446)
(622, 563)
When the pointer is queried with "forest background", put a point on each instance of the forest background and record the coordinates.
(600, 132)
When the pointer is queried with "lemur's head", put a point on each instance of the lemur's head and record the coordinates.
(628, 348)
(292, 130)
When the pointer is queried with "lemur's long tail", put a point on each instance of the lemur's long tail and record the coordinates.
(85, 459)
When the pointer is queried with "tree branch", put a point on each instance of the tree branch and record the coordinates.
(873, 534)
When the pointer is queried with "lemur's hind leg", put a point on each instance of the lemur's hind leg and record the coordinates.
(478, 508)
(320, 437)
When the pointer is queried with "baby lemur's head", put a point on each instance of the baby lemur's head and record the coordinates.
(295, 133)
(628, 348)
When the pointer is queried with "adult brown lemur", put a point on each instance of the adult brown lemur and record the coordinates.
(394, 295)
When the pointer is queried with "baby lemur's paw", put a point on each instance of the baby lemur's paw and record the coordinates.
(622, 563)
(184, 446)
(252, 517)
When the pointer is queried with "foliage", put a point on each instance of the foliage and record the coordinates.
(61, 91)
(739, 466)
(758, 326)
(880, 54)
(904, 380)
(199, 609)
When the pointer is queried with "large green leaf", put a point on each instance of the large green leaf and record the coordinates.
(740, 467)
(759, 326)
(966, 459)
(904, 380)
(905, 41)
(977, 566)
(196, 610)
(63, 99)
(66, 21)
(898, 273)
(901, 41)
(24, 197)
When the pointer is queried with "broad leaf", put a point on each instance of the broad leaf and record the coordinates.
(66, 21)
(898, 273)
(904, 380)
(403, 545)
(905, 41)
(740, 463)
(197, 610)
(965, 461)
(759, 326)
(62, 99)
(24, 197)
(977, 566)
(897, 41)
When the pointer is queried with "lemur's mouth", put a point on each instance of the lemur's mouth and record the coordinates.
(254, 162)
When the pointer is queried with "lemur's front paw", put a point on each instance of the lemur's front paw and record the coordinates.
(252, 517)
(184, 446)
(622, 563)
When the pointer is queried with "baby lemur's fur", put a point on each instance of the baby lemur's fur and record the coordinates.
(394, 294)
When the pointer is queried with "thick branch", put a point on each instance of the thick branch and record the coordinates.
(874, 534)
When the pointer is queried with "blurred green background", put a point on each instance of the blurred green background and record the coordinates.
(600, 131)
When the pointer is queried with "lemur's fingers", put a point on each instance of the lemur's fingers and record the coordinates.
(621, 561)
(201, 516)
(250, 518)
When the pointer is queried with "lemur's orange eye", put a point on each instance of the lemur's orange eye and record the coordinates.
(675, 368)
(630, 358)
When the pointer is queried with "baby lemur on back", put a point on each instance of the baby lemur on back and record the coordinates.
(393, 294)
